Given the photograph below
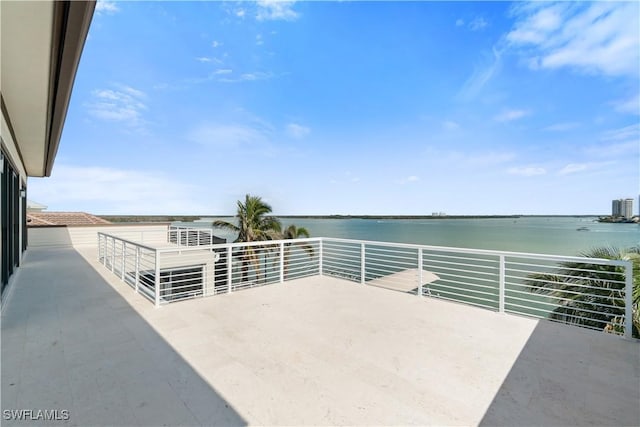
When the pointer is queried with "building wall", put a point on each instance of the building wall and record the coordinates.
(82, 236)
(12, 204)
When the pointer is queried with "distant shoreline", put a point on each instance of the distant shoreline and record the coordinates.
(192, 218)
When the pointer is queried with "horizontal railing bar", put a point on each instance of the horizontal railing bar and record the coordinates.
(445, 276)
(444, 287)
(431, 256)
(557, 304)
(491, 306)
(604, 322)
(404, 264)
(527, 279)
(479, 251)
(614, 273)
(369, 255)
(493, 268)
(567, 268)
(112, 236)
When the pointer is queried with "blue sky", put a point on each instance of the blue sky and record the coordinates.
(353, 108)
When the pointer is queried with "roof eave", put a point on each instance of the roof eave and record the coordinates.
(71, 26)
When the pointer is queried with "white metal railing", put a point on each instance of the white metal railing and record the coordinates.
(173, 273)
(589, 292)
(192, 236)
(134, 262)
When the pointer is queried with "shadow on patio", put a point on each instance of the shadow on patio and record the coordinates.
(71, 342)
(565, 375)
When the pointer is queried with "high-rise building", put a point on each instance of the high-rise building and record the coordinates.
(627, 208)
(616, 207)
(622, 208)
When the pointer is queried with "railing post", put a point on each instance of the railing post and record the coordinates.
(501, 285)
(362, 264)
(104, 253)
(124, 255)
(113, 254)
(281, 262)
(137, 276)
(157, 280)
(628, 299)
(420, 279)
(229, 269)
(320, 255)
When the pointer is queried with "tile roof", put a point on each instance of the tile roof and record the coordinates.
(35, 219)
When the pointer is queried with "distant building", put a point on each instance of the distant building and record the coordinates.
(616, 207)
(627, 208)
(622, 208)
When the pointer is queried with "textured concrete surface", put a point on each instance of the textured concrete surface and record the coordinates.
(317, 351)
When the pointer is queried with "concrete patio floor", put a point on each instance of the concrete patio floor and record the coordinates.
(316, 351)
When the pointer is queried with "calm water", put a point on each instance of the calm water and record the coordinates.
(549, 235)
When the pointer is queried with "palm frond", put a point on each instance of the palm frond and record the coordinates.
(602, 306)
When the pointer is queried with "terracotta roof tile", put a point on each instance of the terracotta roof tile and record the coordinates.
(63, 218)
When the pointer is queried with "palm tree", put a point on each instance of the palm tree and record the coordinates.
(293, 232)
(604, 305)
(253, 225)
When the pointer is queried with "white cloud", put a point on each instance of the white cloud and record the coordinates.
(124, 104)
(526, 171)
(271, 10)
(627, 132)
(622, 143)
(104, 6)
(115, 191)
(259, 40)
(598, 37)
(478, 23)
(240, 13)
(481, 76)
(459, 22)
(450, 125)
(625, 150)
(216, 43)
(628, 106)
(297, 131)
(573, 168)
(535, 24)
(203, 59)
(227, 135)
(255, 76)
(510, 115)
(562, 127)
(223, 71)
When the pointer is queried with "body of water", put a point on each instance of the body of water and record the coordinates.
(548, 235)
(475, 281)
